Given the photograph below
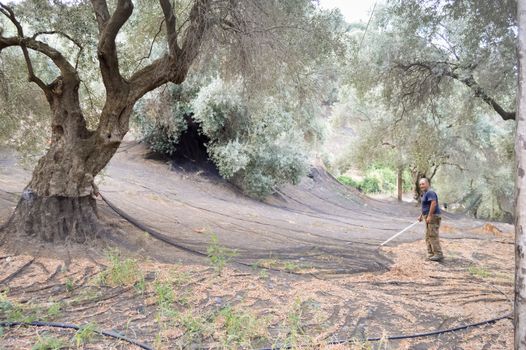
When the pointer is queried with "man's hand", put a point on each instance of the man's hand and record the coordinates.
(428, 219)
(420, 218)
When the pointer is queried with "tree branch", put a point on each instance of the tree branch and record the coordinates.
(458, 166)
(470, 82)
(434, 171)
(448, 69)
(196, 30)
(51, 32)
(170, 68)
(102, 14)
(151, 46)
(171, 27)
(60, 61)
(109, 27)
(385, 143)
(150, 77)
(8, 12)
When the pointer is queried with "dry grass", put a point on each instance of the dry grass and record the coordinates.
(244, 309)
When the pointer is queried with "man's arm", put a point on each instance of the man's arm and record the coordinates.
(421, 217)
(432, 210)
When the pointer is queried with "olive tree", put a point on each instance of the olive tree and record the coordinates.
(433, 48)
(56, 204)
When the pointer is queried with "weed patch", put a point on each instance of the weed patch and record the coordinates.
(121, 272)
(479, 271)
(238, 329)
(85, 334)
(219, 256)
(165, 296)
(49, 343)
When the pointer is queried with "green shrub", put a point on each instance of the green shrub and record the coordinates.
(349, 181)
(408, 181)
(121, 271)
(370, 185)
(367, 185)
(385, 179)
(161, 129)
(378, 179)
(257, 145)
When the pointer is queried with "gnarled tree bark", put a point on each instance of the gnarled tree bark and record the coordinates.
(57, 203)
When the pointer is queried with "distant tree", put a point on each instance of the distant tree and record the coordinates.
(421, 50)
(428, 80)
(470, 160)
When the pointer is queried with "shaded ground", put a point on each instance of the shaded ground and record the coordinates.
(335, 283)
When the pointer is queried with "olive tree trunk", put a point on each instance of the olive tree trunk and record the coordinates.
(57, 204)
(520, 199)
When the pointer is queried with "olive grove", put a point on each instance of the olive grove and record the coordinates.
(91, 76)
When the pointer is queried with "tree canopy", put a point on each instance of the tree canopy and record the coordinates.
(428, 89)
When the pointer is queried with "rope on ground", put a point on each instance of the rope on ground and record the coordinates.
(407, 336)
(443, 331)
(75, 327)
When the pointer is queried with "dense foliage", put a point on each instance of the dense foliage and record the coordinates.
(377, 179)
(257, 144)
(160, 118)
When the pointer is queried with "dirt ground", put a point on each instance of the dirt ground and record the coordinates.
(302, 269)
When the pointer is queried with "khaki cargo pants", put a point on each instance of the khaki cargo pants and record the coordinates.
(432, 240)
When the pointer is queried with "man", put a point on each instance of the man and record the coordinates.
(431, 214)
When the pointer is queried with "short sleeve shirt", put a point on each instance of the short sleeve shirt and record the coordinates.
(427, 198)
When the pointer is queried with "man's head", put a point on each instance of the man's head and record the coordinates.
(423, 184)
